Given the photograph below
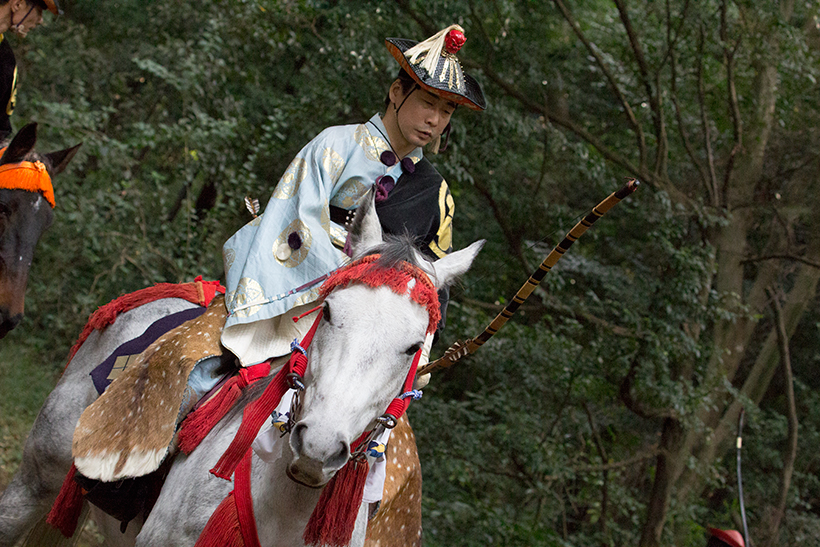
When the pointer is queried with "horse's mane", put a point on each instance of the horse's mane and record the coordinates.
(398, 248)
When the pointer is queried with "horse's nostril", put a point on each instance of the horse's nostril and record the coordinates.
(341, 456)
(296, 437)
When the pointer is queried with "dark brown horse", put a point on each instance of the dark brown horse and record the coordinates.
(26, 202)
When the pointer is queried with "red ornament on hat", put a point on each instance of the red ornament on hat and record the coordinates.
(453, 41)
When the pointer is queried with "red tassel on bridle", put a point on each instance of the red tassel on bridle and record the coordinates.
(334, 518)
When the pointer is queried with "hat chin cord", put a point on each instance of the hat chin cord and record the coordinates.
(17, 28)
(397, 108)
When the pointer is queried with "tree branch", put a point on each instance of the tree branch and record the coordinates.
(649, 453)
(791, 415)
(800, 259)
(630, 115)
(599, 446)
(734, 107)
(625, 396)
(678, 114)
(712, 186)
(653, 95)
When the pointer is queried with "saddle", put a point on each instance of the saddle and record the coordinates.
(130, 429)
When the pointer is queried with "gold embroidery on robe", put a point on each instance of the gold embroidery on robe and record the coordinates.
(333, 164)
(248, 292)
(289, 183)
(228, 256)
(373, 146)
(13, 98)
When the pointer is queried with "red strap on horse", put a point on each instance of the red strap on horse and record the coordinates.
(67, 508)
(260, 410)
(398, 406)
(199, 423)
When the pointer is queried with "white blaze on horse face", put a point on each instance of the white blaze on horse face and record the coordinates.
(358, 362)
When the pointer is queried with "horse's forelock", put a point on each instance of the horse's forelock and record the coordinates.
(396, 249)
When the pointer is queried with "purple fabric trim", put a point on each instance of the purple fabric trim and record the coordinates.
(100, 374)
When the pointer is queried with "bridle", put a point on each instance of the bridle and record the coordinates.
(367, 271)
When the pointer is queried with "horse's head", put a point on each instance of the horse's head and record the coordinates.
(373, 323)
(26, 202)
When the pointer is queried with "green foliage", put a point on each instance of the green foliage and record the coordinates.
(548, 435)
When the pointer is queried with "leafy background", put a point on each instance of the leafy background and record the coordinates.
(605, 412)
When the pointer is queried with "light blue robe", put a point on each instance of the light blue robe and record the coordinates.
(266, 276)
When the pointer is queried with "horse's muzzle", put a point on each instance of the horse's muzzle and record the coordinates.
(7, 322)
(315, 458)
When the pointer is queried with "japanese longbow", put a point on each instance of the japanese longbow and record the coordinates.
(461, 349)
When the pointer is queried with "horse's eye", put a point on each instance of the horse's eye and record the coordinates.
(326, 312)
(413, 349)
(5, 210)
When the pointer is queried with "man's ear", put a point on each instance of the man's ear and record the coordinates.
(395, 92)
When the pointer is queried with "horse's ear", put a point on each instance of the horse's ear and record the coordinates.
(60, 159)
(366, 231)
(20, 145)
(455, 264)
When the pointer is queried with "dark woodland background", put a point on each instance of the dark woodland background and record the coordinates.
(605, 413)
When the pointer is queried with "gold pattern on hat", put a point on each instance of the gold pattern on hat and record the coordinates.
(289, 183)
(240, 302)
(296, 256)
(333, 164)
(373, 146)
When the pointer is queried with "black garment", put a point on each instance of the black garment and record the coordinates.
(8, 86)
(421, 206)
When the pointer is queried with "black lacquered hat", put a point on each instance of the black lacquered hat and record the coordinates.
(434, 66)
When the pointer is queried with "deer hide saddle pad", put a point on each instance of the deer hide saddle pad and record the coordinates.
(128, 430)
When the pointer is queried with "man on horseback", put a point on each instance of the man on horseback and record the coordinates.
(274, 265)
(19, 16)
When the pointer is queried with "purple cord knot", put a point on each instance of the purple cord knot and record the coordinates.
(388, 158)
(383, 187)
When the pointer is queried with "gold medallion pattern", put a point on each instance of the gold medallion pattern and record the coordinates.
(349, 194)
(296, 256)
(248, 292)
(228, 256)
(333, 164)
(289, 183)
(306, 298)
(443, 242)
(324, 219)
(373, 146)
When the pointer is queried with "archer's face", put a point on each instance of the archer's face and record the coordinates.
(423, 117)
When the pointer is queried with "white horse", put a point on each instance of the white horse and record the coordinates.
(358, 361)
